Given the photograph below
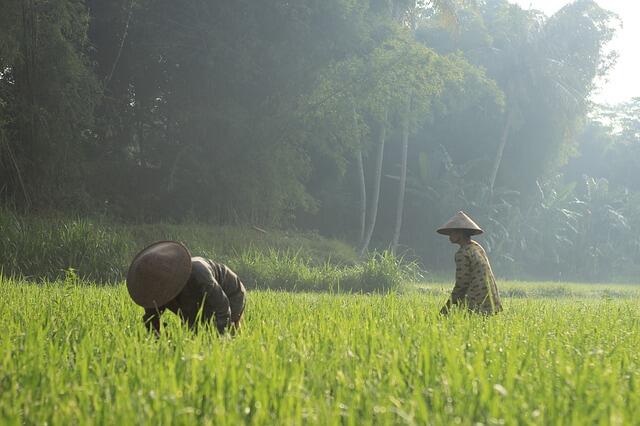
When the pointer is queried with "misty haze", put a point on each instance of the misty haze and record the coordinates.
(359, 211)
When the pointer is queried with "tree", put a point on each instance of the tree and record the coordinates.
(546, 67)
(49, 92)
(556, 63)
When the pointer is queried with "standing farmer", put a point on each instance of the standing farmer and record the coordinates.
(475, 286)
(165, 276)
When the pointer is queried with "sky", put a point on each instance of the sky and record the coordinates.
(624, 80)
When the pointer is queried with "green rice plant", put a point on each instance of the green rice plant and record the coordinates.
(78, 353)
(541, 290)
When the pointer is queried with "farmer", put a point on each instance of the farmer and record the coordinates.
(475, 286)
(165, 276)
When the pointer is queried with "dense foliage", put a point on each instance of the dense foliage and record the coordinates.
(369, 120)
(72, 352)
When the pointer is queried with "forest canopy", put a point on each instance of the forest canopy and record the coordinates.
(368, 120)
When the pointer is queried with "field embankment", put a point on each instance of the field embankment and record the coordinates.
(80, 352)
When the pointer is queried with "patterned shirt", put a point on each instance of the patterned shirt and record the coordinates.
(475, 285)
(212, 287)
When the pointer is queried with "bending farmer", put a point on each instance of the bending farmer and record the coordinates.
(475, 286)
(165, 276)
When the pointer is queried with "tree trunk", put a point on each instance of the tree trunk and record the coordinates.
(503, 142)
(403, 179)
(16, 166)
(363, 196)
(122, 40)
(373, 208)
(25, 82)
(361, 183)
(171, 181)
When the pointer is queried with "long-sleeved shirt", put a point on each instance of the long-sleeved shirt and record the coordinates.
(213, 291)
(475, 285)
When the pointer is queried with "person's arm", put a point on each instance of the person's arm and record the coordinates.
(463, 279)
(213, 301)
(218, 301)
(236, 293)
(151, 319)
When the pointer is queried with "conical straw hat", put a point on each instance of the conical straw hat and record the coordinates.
(460, 221)
(158, 273)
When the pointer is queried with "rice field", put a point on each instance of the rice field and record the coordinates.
(72, 353)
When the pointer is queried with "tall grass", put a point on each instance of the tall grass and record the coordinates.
(290, 271)
(80, 355)
(49, 248)
(99, 251)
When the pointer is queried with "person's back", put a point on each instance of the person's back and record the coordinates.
(202, 298)
(164, 276)
(481, 291)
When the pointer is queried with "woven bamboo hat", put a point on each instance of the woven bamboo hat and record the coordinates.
(158, 273)
(460, 221)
